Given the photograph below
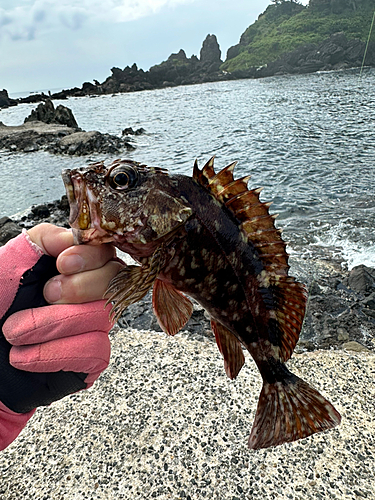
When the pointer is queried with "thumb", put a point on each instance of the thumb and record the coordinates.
(51, 239)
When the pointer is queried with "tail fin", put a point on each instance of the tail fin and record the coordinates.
(289, 411)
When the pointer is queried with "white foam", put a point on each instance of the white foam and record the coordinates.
(353, 252)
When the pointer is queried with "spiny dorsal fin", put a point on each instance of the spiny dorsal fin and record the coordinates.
(223, 178)
(203, 176)
(258, 227)
(256, 222)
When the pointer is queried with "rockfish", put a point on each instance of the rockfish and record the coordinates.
(211, 238)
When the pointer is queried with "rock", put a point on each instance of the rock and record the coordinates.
(370, 301)
(8, 229)
(5, 100)
(140, 316)
(355, 346)
(210, 52)
(362, 279)
(342, 334)
(59, 139)
(83, 143)
(41, 211)
(47, 113)
(336, 52)
(31, 136)
(130, 131)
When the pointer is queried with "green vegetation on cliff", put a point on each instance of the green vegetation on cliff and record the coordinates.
(286, 25)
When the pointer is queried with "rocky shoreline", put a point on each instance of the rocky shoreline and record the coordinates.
(341, 306)
(334, 53)
(56, 131)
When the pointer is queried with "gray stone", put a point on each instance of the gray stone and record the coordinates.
(355, 346)
(362, 279)
(46, 113)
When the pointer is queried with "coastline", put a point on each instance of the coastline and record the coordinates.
(164, 422)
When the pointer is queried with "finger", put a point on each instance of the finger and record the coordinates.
(42, 324)
(86, 353)
(81, 287)
(84, 258)
(51, 239)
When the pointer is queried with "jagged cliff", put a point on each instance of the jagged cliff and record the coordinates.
(286, 27)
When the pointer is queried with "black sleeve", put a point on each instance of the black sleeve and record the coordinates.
(21, 391)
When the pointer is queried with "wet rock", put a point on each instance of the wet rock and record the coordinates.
(8, 229)
(41, 211)
(362, 280)
(140, 316)
(370, 301)
(130, 131)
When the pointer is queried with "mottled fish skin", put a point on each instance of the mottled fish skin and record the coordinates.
(212, 239)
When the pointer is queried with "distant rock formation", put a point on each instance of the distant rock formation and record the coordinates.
(210, 53)
(178, 69)
(47, 113)
(5, 100)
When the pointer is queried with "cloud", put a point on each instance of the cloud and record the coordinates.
(25, 19)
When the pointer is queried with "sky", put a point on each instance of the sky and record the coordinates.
(55, 44)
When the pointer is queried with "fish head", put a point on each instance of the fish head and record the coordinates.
(126, 203)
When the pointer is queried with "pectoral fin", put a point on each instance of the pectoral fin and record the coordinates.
(131, 284)
(171, 308)
(230, 348)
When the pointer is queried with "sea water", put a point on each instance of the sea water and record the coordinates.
(309, 140)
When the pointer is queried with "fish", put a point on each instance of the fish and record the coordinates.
(209, 238)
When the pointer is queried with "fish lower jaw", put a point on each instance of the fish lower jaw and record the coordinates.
(93, 235)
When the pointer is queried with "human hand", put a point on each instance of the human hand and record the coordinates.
(49, 352)
(80, 266)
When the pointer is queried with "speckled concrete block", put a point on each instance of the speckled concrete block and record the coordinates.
(165, 422)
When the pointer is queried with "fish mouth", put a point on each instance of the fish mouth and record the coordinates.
(79, 217)
(83, 217)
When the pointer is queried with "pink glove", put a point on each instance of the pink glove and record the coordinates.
(45, 352)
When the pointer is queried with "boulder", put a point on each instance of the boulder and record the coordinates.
(47, 113)
(362, 280)
(8, 230)
(5, 100)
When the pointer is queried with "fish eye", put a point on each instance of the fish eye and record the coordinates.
(124, 177)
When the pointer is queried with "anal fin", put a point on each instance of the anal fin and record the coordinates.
(171, 308)
(230, 348)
